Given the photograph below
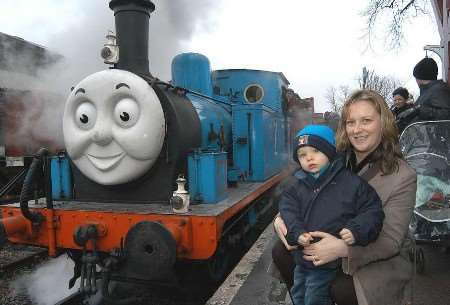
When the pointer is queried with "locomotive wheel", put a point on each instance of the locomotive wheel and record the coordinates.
(151, 251)
(420, 261)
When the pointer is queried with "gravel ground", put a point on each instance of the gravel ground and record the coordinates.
(11, 253)
(9, 294)
(433, 287)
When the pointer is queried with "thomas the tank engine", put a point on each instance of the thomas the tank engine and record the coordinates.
(158, 175)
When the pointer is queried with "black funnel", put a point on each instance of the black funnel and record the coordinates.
(132, 18)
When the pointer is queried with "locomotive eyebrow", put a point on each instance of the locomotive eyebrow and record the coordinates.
(80, 90)
(122, 85)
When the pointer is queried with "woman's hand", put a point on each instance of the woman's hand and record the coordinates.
(281, 229)
(328, 249)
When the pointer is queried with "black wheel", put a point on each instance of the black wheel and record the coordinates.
(420, 261)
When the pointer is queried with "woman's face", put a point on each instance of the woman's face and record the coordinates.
(363, 127)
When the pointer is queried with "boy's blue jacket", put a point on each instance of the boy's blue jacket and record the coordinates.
(337, 199)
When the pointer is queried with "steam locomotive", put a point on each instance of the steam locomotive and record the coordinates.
(159, 180)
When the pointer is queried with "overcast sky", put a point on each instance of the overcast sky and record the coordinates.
(316, 44)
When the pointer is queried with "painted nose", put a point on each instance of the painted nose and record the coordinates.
(102, 136)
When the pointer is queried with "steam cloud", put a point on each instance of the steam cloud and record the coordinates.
(172, 25)
(48, 283)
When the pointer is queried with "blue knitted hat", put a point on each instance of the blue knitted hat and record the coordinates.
(320, 137)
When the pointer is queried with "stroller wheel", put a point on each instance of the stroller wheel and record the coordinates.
(420, 261)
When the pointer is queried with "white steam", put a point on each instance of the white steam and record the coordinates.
(32, 120)
(49, 282)
(78, 37)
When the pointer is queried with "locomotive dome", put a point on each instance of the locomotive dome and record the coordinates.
(113, 126)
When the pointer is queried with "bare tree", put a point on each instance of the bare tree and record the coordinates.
(368, 79)
(382, 84)
(337, 96)
(394, 13)
(331, 98)
(344, 93)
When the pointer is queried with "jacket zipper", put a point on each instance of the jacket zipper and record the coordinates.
(316, 192)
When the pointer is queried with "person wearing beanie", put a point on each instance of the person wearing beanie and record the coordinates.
(426, 69)
(327, 197)
(400, 97)
(434, 100)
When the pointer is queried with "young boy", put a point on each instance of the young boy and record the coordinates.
(329, 198)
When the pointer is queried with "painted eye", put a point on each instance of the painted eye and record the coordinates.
(126, 113)
(85, 115)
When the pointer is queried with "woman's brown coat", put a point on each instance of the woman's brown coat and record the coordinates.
(382, 271)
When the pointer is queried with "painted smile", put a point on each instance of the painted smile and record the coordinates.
(105, 163)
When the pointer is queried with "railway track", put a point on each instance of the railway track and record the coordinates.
(73, 299)
(77, 299)
(16, 260)
(15, 256)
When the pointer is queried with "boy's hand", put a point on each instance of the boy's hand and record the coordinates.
(304, 239)
(347, 236)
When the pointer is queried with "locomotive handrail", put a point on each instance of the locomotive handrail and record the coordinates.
(155, 81)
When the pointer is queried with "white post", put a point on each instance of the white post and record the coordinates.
(444, 32)
(445, 39)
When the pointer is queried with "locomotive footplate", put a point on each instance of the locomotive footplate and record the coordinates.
(147, 245)
(197, 233)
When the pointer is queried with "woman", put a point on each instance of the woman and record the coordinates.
(381, 271)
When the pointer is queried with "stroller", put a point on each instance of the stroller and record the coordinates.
(426, 147)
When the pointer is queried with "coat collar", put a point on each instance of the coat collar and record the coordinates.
(425, 87)
(358, 168)
(336, 166)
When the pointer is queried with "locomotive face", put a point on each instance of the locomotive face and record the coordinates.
(113, 126)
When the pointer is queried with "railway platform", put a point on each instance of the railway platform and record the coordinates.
(250, 282)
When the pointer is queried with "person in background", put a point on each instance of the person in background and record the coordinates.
(381, 272)
(316, 202)
(434, 100)
(401, 104)
(400, 97)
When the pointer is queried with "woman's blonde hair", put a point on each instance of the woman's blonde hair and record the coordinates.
(388, 152)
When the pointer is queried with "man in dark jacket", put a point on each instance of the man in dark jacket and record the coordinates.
(329, 198)
(434, 100)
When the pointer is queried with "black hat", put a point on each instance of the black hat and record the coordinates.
(402, 92)
(426, 69)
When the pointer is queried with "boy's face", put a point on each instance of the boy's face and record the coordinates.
(311, 159)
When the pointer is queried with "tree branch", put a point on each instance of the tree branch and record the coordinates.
(406, 7)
